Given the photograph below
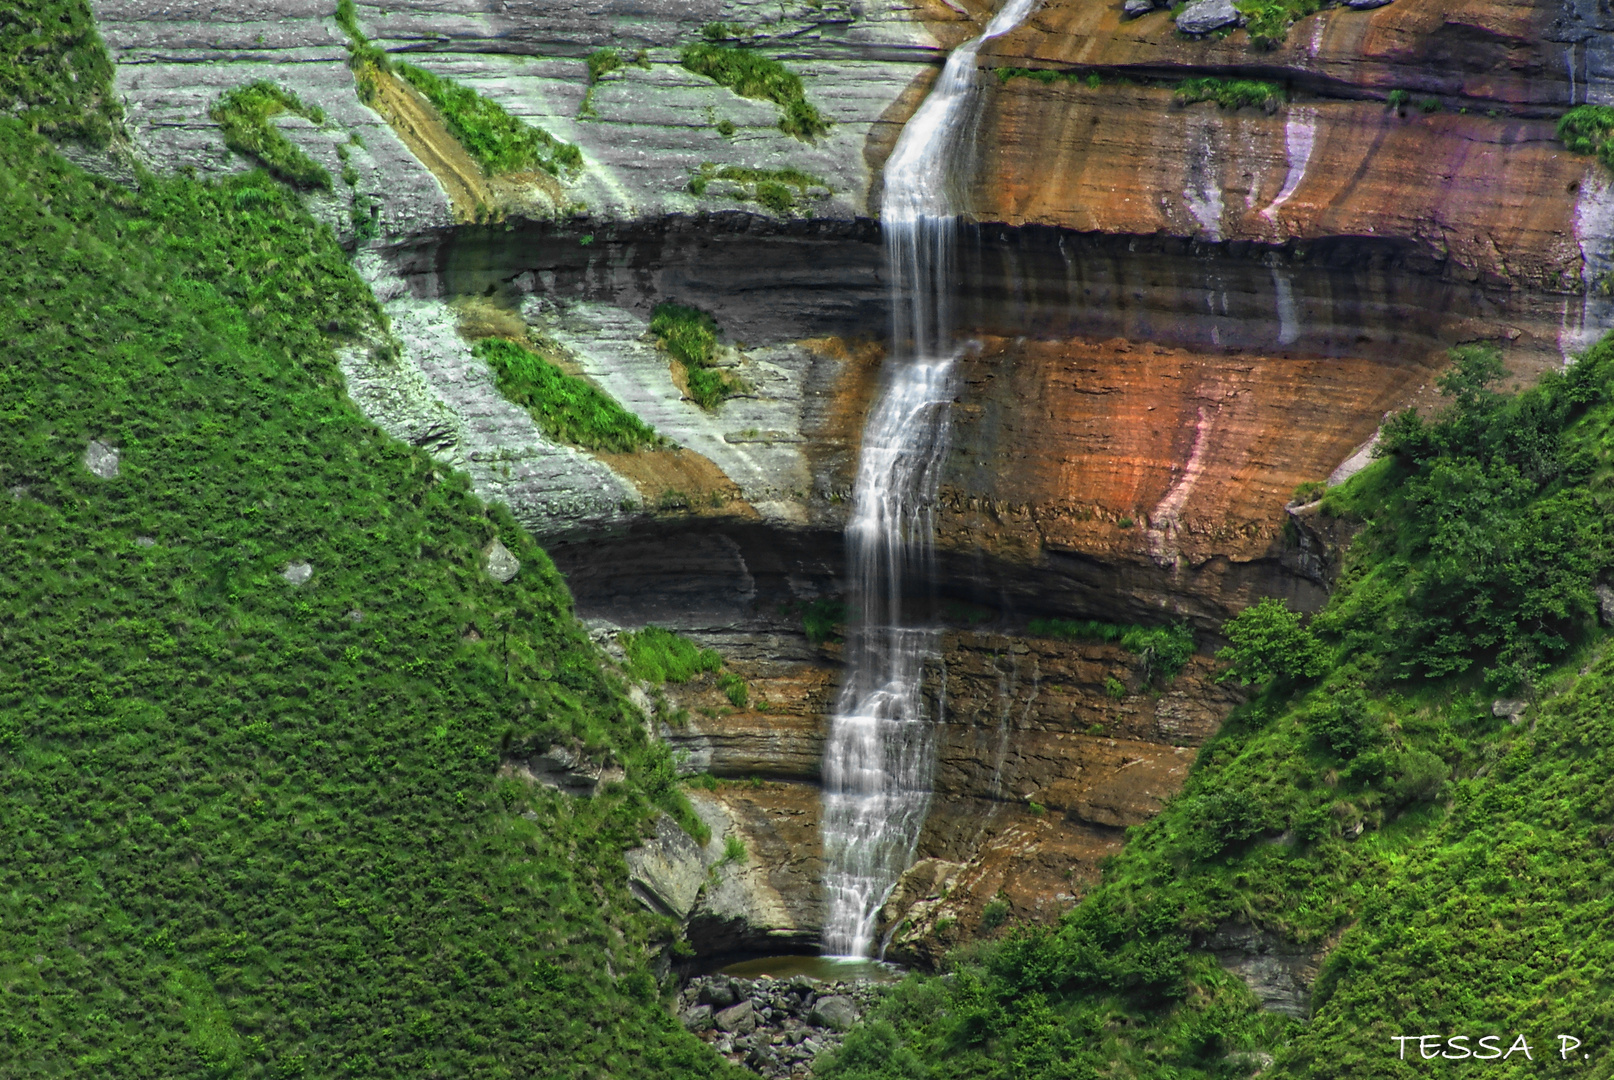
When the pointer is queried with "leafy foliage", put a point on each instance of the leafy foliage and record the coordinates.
(1164, 649)
(752, 75)
(255, 830)
(55, 76)
(566, 407)
(822, 620)
(659, 655)
(1585, 129)
(500, 143)
(1268, 21)
(690, 335)
(1266, 641)
(244, 115)
(1230, 93)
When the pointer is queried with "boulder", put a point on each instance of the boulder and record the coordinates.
(719, 993)
(1203, 16)
(1364, 5)
(297, 573)
(1512, 708)
(101, 459)
(666, 872)
(698, 1017)
(1605, 603)
(1133, 9)
(739, 1019)
(499, 563)
(838, 1013)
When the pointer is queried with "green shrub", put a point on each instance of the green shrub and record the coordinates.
(734, 852)
(658, 655)
(55, 76)
(567, 407)
(1268, 21)
(601, 62)
(1398, 99)
(1267, 641)
(244, 115)
(1229, 93)
(1585, 129)
(994, 914)
(753, 75)
(822, 620)
(1429, 105)
(499, 143)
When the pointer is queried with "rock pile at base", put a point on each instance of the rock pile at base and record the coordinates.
(775, 1027)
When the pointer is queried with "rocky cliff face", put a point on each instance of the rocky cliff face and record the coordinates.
(1177, 313)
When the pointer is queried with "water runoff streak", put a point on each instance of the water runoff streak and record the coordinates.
(881, 752)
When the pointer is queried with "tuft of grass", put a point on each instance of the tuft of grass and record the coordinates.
(690, 335)
(734, 687)
(1268, 21)
(500, 143)
(734, 852)
(568, 408)
(1164, 649)
(753, 75)
(779, 190)
(1230, 93)
(244, 115)
(658, 655)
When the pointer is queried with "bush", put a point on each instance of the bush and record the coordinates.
(566, 407)
(658, 655)
(752, 75)
(500, 143)
(771, 188)
(1267, 642)
(822, 620)
(1585, 129)
(734, 688)
(1268, 21)
(243, 116)
(1344, 724)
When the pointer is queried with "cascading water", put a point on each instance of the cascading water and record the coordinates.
(881, 752)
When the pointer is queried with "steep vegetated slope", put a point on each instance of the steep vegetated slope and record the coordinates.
(1377, 809)
(253, 822)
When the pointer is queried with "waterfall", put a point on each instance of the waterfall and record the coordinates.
(881, 751)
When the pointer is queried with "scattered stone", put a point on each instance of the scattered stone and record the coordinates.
(698, 1018)
(1203, 16)
(101, 459)
(501, 565)
(145, 541)
(564, 770)
(1510, 708)
(740, 1019)
(297, 573)
(1134, 9)
(18, 491)
(1605, 603)
(355, 615)
(836, 1013)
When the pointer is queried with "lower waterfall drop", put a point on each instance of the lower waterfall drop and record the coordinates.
(880, 756)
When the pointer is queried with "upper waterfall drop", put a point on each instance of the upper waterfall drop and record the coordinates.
(881, 750)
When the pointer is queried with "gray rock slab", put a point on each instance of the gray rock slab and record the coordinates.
(297, 574)
(101, 459)
(612, 346)
(1133, 9)
(1605, 603)
(439, 395)
(738, 1019)
(1365, 5)
(666, 872)
(1203, 16)
(698, 1018)
(501, 565)
(835, 1012)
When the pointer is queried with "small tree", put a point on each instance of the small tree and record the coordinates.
(1267, 641)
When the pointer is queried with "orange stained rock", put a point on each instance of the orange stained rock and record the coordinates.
(1132, 450)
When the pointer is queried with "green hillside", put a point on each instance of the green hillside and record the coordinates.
(254, 829)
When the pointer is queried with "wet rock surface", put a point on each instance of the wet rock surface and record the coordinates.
(775, 1027)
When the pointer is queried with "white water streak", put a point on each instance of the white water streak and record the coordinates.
(880, 757)
(1300, 137)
